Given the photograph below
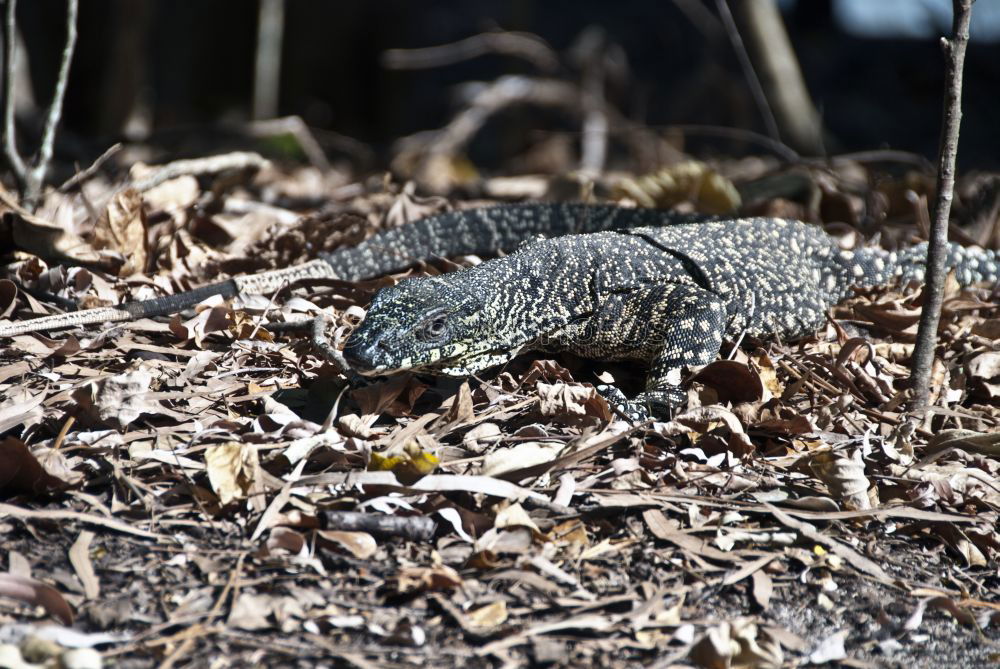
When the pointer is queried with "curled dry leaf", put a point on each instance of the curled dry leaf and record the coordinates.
(488, 617)
(8, 297)
(20, 407)
(572, 399)
(36, 593)
(417, 579)
(233, 470)
(50, 241)
(251, 611)
(481, 436)
(359, 544)
(528, 454)
(736, 644)
(285, 539)
(845, 477)
(733, 382)
(514, 515)
(119, 400)
(986, 443)
(79, 557)
(213, 316)
(22, 474)
(122, 228)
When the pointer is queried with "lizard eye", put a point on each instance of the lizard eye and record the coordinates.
(434, 327)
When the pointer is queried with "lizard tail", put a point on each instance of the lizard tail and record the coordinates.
(970, 265)
(487, 230)
(874, 266)
(255, 284)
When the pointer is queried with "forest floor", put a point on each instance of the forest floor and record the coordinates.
(205, 492)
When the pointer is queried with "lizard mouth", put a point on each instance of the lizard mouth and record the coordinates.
(442, 362)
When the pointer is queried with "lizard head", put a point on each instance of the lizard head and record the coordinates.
(439, 325)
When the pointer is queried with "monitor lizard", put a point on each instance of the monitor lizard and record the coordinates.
(604, 282)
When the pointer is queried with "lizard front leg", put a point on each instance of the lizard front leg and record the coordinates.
(684, 326)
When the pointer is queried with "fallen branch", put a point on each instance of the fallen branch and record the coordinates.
(414, 528)
(237, 160)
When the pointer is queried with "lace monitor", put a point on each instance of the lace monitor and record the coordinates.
(606, 282)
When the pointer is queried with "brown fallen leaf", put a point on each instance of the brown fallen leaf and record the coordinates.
(488, 617)
(22, 474)
(572, 399)
(439, 577)
(233, 470)
(733, 382)
(359, 544)
(49, 241)
(845, 477)
(36, 593)
(121, 227)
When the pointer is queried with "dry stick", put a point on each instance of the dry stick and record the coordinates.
(594, 140)
(413, 528)
(766, 39)
(526, 46)
(267, 66)
(930, 314)
(749, 73)
(80, 177)
(33, 178)
(236, 160)
(10, 65)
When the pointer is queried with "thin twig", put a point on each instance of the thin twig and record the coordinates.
(778, 148)
(930, 314)
(592, 52)
(36, 176)
(522, 45)
(753, 81)
(10, 65)
(267, 66)
(237, 160)
(78, 178)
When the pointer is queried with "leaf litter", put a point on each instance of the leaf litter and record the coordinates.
(207, 483)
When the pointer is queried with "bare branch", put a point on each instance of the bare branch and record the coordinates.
(763, 31)
(10, 63)
(748, 72)
(930, 314)
(267, 68)
(236, 160)
(591, 52)
(80, 177)
(36, 176)
(522, 45)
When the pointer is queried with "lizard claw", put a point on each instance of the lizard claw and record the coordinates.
(645, 406)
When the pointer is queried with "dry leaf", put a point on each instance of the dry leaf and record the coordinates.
(489, 616)
(233, 470)
(359, 544)
(528, 454)
(440, 577)
(845, 477)
(22, 474)
(79, 557)
(36, 593)
(122, 228)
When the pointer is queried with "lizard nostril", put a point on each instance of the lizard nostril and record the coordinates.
(382, 345)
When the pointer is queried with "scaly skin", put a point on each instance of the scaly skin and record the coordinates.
(653, 286)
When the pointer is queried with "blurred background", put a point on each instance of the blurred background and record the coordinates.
(173, 75)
